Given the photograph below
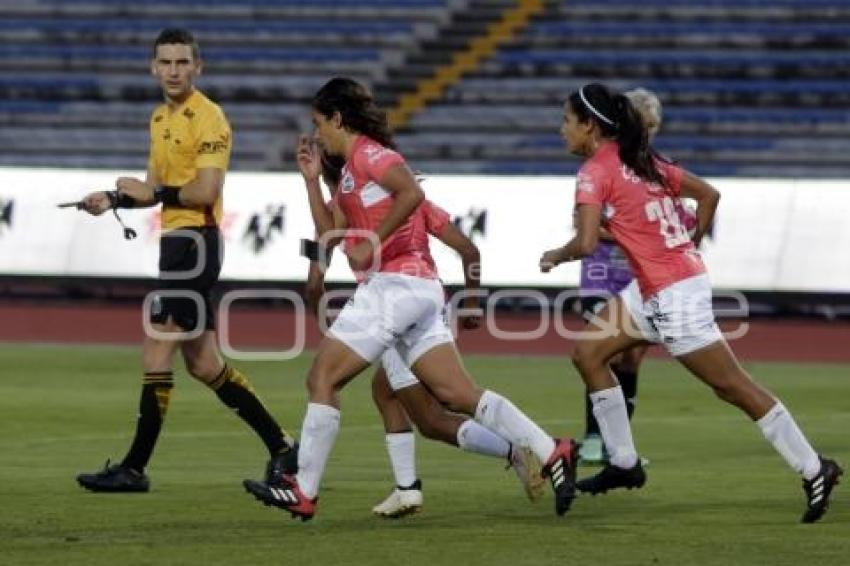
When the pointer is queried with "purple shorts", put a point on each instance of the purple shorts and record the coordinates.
(604, 274)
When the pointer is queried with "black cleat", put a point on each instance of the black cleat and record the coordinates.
(284, 494)
(818, 489)
(115, 479)
(612, 477)
(282, 464)
(561, 471)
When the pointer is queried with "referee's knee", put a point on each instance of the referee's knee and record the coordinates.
(203, 371)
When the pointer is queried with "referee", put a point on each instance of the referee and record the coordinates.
(190, 145)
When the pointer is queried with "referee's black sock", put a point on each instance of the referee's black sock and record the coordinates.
(235, 391)
(628, 381)
(153, 404)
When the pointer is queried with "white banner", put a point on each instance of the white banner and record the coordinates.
(770, 234)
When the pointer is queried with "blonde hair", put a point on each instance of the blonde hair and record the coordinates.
(648, 106)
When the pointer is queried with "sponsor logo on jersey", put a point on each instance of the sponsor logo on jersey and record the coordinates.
(212, 147)
(375, 152)
(629, 175)
(346, 184)
(584, 184)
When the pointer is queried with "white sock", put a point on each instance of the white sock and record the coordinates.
(498, 414)
(318, 434)
(609, 408)
(401, 447)
(473, 437)
(779, 428)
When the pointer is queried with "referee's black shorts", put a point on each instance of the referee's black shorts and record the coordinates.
(189, 266)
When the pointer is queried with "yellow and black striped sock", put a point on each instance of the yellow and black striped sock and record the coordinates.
(235, 391)
(153, 404)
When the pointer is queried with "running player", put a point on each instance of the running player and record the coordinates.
(189, 154)
(624, 185)
(400, 304)
(397, 393)
(605, 273)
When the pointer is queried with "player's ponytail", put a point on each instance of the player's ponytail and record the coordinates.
(633, 139)
(356, 107)
(617, 119)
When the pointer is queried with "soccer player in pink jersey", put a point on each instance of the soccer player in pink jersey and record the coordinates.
(626, 187)
(605, 273)
(398, 395)
(399, 304)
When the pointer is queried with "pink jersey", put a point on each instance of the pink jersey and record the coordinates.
(644, 218)
(435, 219)
(365, 205)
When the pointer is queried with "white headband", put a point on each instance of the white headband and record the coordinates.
(594, 110)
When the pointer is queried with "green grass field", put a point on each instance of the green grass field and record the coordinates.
(717, 493)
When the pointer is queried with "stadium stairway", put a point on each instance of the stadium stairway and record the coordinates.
(751, 88)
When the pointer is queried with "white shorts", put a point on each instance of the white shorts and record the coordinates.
(680, 316)
(398, 373)
(391, 310)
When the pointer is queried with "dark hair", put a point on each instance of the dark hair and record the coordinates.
(618, 119)
(332, 168)
(179, 36)
(357, 108)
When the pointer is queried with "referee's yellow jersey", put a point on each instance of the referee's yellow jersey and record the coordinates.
(193, 136)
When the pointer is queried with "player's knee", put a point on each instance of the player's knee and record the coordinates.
(319, 382)
(381, 391)
(629, 361)
(435, 424)
(428, 428)
(458, 400)
(727, 391)
(432, 430)
(582, 357)
(201, 371)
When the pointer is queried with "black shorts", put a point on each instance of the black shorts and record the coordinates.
(179, 252)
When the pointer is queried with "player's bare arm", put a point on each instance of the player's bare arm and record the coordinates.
(314, 288)
(588, 222)
(470, 256)
(408, 195)
(707, 198)
(604, 234)
(310, 165)
(332, 238)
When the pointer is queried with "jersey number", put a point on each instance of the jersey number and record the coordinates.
(664, 212)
